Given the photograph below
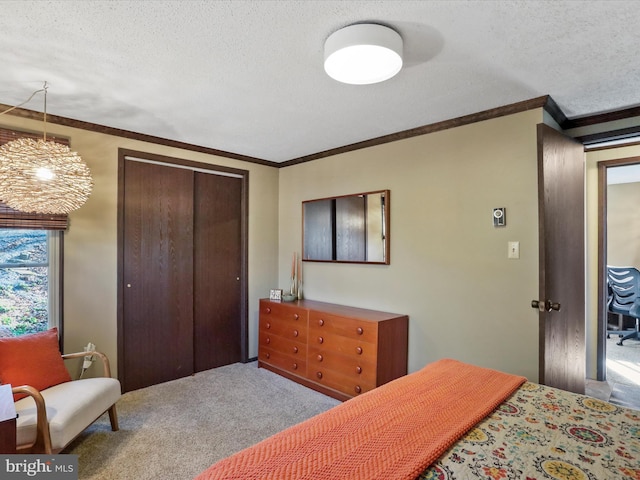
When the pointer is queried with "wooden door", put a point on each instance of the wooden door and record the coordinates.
(157, 274)
(217, 271)
(561, 270)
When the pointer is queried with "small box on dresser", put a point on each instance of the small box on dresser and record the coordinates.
(338, 350)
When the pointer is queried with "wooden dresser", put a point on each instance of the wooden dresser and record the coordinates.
(337, 350)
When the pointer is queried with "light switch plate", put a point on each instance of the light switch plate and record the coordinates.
(514, 250)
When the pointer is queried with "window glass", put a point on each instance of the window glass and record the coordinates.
(26, 281)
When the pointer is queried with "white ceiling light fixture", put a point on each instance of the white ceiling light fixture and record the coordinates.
(363, 53)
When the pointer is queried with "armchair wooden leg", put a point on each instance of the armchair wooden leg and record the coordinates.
(113, 418)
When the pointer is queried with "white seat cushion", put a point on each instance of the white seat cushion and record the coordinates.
(71, 407)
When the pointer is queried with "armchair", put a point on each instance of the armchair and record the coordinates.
(52, 408)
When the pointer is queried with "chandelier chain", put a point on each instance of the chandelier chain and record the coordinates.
(44, 89)
(44, 128)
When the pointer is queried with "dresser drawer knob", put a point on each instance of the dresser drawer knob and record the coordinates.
(295, 349)
(268, 355)
(358, 389)
(268, 340)
(321, 322)
(359, 350)
(358, 369)
(295, 333)
(359, 330)
(268, 325)
(296, 316)
(320, 339)
(295, 366)
(320, 357)
(319, 374)
(268, 310)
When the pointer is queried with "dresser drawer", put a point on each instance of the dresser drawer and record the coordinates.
(291, 363)
(283, 312)
(350, 347)
(339, 381)
(341, 326)
(356, 369)
(289, 346)
(294, 330)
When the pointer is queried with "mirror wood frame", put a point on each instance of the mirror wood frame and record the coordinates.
(340, 229)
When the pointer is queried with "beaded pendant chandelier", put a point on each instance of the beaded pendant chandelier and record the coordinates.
(40, 176)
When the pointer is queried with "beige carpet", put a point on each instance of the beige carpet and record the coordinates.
(623, 372)
(177, 429)
(623, 361)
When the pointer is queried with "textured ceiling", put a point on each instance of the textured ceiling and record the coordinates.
(246, 76)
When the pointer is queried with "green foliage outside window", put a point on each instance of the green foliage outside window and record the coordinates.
(23, 282)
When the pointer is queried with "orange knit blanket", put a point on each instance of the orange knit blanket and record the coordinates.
(392, 432)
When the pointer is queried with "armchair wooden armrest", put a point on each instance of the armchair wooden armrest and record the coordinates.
(43, 437)
(106, 368)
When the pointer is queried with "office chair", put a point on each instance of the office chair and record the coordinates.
(624, 298)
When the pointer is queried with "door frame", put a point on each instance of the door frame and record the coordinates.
(601, 353)
(244, 234)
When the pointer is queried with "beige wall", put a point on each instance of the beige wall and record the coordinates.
(90, 248)
(623, 224)
(449, 269)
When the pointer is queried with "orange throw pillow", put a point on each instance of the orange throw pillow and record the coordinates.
(33, 360)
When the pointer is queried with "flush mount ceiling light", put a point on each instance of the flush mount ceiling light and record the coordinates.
(40, 176)
(363, 53)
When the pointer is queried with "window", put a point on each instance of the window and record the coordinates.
(29, 280)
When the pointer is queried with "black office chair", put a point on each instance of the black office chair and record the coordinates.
(624, 299)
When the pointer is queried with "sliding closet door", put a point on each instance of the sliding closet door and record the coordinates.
(217, 270)
(157, 268)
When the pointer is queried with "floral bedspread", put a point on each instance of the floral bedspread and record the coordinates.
(545, 433)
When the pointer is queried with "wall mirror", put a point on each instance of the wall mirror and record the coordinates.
(349, 229)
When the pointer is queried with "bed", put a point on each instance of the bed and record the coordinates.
(451, 420)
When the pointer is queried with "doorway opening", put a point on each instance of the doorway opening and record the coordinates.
(619, 246)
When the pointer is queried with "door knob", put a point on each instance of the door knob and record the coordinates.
(553, 306)
(545, 305)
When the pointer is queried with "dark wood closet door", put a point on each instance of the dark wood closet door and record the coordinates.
(217, 286)
(157, 336)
